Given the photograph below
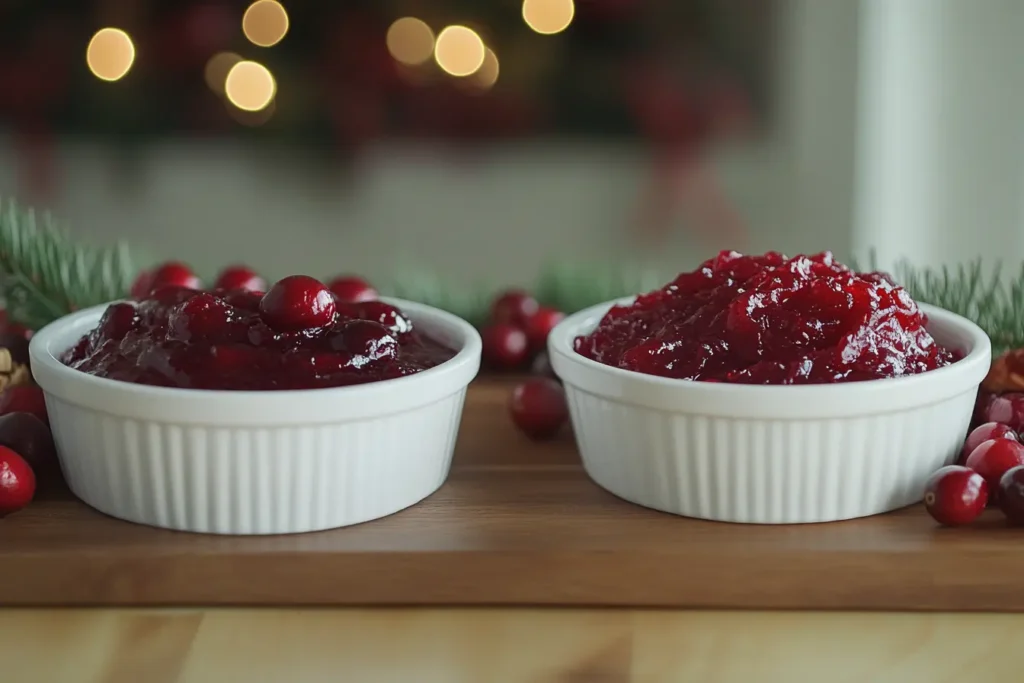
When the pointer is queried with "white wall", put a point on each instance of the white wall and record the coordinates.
(496, 215)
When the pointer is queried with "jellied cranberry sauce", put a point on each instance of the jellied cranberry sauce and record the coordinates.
(769, 320)
(297, 336)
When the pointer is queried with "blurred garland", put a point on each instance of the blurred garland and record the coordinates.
(44, 274)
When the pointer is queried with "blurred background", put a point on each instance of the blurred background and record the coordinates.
(483, 139)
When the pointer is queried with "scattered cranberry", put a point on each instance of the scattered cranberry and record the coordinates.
(1007, 409)
(203, 316)
(538, 407)
(514, 307)
(505, 346)
(992, 458)
(24, 398)
(351, 289)
(143, 285)
(539, 326)
(985, 432)
(297, 302)
(29, 436)
(174, 273)
(955, 495)
(1011, 495)
(541, 366)
(240, 277)
(17, 482)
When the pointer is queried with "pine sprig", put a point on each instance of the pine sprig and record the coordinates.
(45, 275)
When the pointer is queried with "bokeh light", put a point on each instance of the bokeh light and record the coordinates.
(265, 23)
(548, 16)
(459, 51)
(487, 75)
(250, 86)
(216, 72)
(410, 41)
(110, 54)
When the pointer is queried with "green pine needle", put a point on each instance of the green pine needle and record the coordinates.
(44, 275)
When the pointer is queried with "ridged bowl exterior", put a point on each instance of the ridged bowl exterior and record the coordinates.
(769, 455)
(255, 462)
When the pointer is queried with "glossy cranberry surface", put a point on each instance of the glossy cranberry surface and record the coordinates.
(208, 340)
(174, 273)
(991, 459)
(240, 277)
(505, 347)
(769, 320)
(538, 407)
(1011, 495)
(539, 326)
(955, 495)
(351, 289)
(17, 482)
(24, 398)
(298, 302)
(513, 307)
(985, 432)
(1007, 409)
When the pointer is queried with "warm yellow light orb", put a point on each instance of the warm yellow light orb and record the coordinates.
(216, 72)
(250, 86)
(487, 75)
(265, 23)
(548, 16)
(459, 51)
(110, 54)
(410, 41)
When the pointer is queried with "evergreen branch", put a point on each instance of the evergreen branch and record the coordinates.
(44, 275)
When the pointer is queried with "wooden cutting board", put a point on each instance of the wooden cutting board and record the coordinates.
(517, 523)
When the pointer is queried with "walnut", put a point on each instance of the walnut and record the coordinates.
(1006, 374)
(11, 372)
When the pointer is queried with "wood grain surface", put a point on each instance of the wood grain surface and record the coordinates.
(517, 524)
(504, 646)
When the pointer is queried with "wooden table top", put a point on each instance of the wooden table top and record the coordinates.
(517, 524)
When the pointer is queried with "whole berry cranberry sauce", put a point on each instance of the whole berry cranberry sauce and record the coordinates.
(769, 320)
(297, 336)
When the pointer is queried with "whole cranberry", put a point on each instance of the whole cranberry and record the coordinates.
(29, 436)
(204, 316)
(539, 326)
(298, 302)
(24, 398)
(351, 289)
(992, 458)
(142, 285)
(245, 299)
(538, 407)
(364, 339)
(117, 321)
(1011, 495)
(382, 313)
(505, 346)
(985, 432)
(17, 482)
(170, 295)
(240, 277)
(1007, 409)
(955, 495)
(174, 273)
(514, 307)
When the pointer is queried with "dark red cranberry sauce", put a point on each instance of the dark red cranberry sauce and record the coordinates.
(769, 320)
(297, 336)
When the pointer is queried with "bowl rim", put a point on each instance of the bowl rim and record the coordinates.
(810, 401)
(255, 408)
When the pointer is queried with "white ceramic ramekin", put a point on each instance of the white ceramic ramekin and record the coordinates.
(251, 462)
(769, 454)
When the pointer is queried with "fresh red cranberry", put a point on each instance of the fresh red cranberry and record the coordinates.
(1011, 495)
(513, 307)
(28, 436)
(992, 458)
(17, 482)
(955, 495)
(364, 339)
(118, 320)
(985, 432)
(203, 316)
(538, 407)
(351, 289)
(379, 312)
(505, 346)
(174, 273)
(142, 285)
(539, 326)
(298, 302)
(24, 398)
(170, 295)
(245, 299)
(1007, 409)
(240, 277)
